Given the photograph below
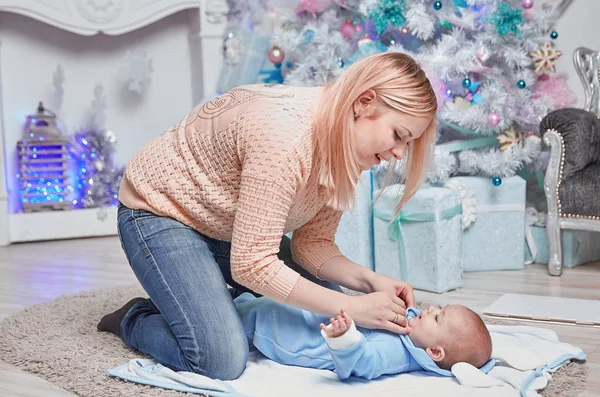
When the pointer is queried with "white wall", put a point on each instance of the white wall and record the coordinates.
(578, 27)
(30, 52)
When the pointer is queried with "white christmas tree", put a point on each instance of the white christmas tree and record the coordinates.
(491, 62)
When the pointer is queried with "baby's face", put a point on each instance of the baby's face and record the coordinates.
(434, 326)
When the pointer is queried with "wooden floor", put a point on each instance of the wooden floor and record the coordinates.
(39, 272)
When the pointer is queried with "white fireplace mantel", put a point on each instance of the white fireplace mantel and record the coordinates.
(114, 17)
(109, 17)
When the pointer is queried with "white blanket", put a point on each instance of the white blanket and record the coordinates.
(526, 357)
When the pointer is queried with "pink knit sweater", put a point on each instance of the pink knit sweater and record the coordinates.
(239, 169)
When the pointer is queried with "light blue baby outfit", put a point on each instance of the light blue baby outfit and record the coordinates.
(292, 336)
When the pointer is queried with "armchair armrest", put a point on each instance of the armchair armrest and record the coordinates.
(580, 132)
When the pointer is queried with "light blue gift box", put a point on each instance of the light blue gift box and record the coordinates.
(496, 240)
(354, 236)
(578, 246)
(423, 244)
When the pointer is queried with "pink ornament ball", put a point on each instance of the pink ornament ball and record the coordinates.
(527, 4)
(347, 30)
(276, 55)
(494, 119)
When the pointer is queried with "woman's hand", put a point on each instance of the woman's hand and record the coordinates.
(398, 288)
(381, 310)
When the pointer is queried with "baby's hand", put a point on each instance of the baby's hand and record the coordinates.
(339, 325)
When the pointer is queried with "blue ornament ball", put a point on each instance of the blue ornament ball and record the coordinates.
(437, 5)
(554, 34)
(466, 82)
(341, 63)
(496, 181)
(521, 84)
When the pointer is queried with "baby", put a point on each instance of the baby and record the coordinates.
(439, 338)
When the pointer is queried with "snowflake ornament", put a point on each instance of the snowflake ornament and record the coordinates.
(506, 19)
(388, 12)
(233, 49)
(545, 58)
(509, 138)
(137, 73)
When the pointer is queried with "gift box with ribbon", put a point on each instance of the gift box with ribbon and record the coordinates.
(578, 246)
(423, 243)
(354, 236)
(496, 239)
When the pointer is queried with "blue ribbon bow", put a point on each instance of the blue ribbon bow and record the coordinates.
(395, 230)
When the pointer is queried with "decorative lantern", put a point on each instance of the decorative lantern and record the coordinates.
(43, 164)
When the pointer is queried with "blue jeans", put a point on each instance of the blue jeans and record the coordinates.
(190, 322)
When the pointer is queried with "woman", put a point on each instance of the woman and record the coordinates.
(208, 202)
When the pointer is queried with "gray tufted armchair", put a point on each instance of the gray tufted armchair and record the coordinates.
(572, 181)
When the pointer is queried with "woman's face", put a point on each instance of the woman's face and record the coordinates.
(382, 134)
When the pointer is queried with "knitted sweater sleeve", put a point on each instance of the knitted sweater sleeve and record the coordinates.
(314, 243)
(271, 173)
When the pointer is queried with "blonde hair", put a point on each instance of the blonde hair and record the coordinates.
(399, 84)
